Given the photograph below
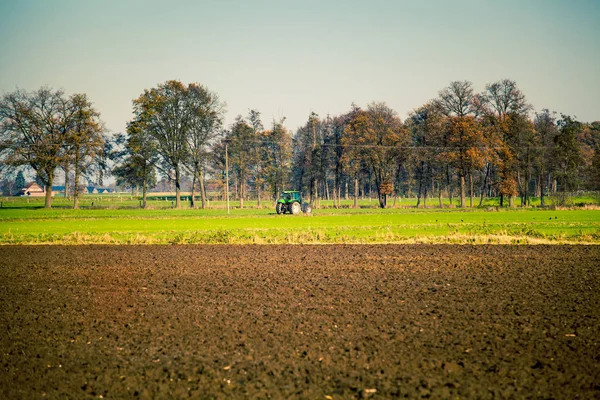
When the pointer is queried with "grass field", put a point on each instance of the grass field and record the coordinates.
(27, 223)
(167, 200)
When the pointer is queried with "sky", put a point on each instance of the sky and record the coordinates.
(289, 58)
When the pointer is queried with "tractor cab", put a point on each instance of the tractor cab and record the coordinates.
(291, 196)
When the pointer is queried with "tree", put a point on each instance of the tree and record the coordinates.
(277, 153)
(336, 154)
(595, 170)
(351, 158)
(466, 150)
(457, 99)
(240, 158)
(426, 127)
(258, 160)
(306, 145)
(464, 137)
(379, 135)
(545, 131)
(525, 147)
(33, 131)
(206, 119)
(138, 168)
(217, 165)
(505, 98)
(20, 180)
(589, 139)
(84, 141)
(173, 115)
(567, 154)
(507, 103)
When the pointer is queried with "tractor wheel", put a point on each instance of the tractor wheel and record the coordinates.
(279, 208)
(296, 208)
(306, 208)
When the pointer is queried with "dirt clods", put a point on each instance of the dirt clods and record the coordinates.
(326, 322)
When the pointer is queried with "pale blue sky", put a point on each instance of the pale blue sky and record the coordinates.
(288, 58)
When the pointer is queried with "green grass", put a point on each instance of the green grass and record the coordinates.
(28, 224)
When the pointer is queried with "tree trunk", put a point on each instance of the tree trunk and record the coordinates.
(177, 188)
(526, 188)
(241, 193)
(542, 183)
(66, 169)
(235, 188)
(520, 187)
(193, 193)
(355, 191)
(144, 195)
(346, 191)
(48, 198)
(470, 190)
(316, 193)
(462, 191)
(420, 174)
(336, 194)
(76, 184)
(425, 192)
(440, 195)
(419, 192)
(382, 200)
(258, 193)
(448, 187)
(202, 189)
(485, 180)
(511, 201)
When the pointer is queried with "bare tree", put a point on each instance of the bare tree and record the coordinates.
(85, 141)
(457, 99)
(256, 146)
(206, 116)
(33, 129)
(504, 97)
(177, 116)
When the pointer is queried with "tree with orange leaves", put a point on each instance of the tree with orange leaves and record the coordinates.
(466, 145)
(377, 136)
(466, 149)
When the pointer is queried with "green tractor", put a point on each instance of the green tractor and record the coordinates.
(291, 202)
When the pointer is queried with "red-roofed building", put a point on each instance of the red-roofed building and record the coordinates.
(31, 189)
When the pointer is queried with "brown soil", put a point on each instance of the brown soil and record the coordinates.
(311, 322)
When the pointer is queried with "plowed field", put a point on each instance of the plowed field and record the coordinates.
(312, 322)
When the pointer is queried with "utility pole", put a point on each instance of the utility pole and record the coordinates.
(227, 141)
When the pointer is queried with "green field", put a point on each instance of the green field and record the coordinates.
(167, 201)
(28, 223)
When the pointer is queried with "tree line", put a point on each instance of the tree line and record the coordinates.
(460, 145)
(47, 131)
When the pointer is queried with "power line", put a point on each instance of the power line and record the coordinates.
(376, 146)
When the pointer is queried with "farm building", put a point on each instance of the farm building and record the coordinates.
(31, 189)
